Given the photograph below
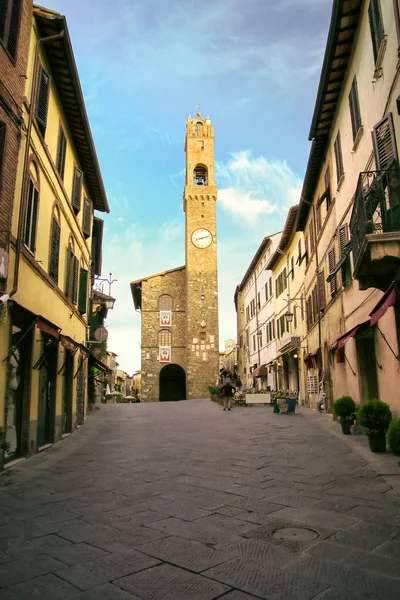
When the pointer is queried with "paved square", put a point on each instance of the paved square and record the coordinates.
(185, 501)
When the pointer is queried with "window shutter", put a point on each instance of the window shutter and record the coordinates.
(68, 283)
(42, 100)
(312, 241)
(321, 290)
(318, 218)
(384, 143)
(97, 242)
(77, 190)
(54, 250)
(83, 283)
(343, 237)
(35, 210)
(87, 217)
(376, 26)
(354, 109)
(61, 151)
(75, 276)
(338, 157)
(332, 264)
(14, 27)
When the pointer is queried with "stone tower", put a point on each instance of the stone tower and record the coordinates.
(200, 198)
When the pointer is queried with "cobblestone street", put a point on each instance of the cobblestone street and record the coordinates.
(184, 501)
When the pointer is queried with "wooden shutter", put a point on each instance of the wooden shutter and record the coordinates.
(343, 237)
(354, 109)
(83, 284)
(312, 240)
(376, 26)
(284, 282)
(75, 275)
(332, 264)
(69, 278)
(42, 100)
(87, 217)
(338, 157)
(54, 250)
(292, 267)
(10, 11)
(327, 181)
(77, 190)
(306, 248)
(61, 151)
(31, 218)
(321, 290)
(97, 244)
(384, 143)
(318, 218)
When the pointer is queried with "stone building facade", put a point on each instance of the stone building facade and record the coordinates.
(180, 307)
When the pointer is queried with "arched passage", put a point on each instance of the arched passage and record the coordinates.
(172, 383)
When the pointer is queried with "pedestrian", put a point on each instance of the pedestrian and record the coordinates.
(227, 392)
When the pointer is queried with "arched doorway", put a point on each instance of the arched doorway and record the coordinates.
(172, 383)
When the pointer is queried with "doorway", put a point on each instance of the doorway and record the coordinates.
(47, 389)
(172, 383)
(366, 360)
(66, 418)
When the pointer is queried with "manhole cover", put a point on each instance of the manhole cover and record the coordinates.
(295, 534)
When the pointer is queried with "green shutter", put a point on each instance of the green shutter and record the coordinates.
(68, 279)
(75, 275)
(35, 210)
(42, 100)
(54, 250)
(77, 190)
(83, 281)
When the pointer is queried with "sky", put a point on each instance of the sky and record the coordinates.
(254, 67)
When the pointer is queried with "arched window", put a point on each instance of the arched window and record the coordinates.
(165, 302)
(55, 235)
(200, 175)
(164, 337)
(198, 129)
(72, 273)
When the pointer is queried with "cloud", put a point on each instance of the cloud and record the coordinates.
(254, 187)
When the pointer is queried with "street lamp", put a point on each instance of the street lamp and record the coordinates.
(109, 303)
(289, 316)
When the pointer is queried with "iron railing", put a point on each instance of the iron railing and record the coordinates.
(376, 206)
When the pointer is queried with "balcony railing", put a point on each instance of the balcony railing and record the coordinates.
(376, 206)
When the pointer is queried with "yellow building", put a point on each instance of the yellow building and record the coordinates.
(55, 250)
(349, 209)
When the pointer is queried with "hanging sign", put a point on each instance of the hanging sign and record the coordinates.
(165, 318)
(164, 354)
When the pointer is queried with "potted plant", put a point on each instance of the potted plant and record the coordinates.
(394, 436)
(215, 392)
(375, 416)
(345, 409)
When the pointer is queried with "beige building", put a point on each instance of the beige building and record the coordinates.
(180, 356)
(349, 209)
(228, 358)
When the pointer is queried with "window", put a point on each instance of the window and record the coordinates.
(260, 339)
(318, 219)
(77, 190)
(9, 25)
(321, 290)
(247, 314)
(254, 342)
(331, 265)
(198, 129)
(3, 130)
(200, 175)
(32, 208)
(42, 100)
(258, 301)
(72, 282)
(384, 143)
(376, 26)
(61, 152)
(165, 302)
(354, 109)
(327, 181)
(270, 286)
(87, 217)
(97, 244)
(292, 267)
(266, 292)
(311, 234)
(164, 337)
(338, 158)
(343, 237)
(54, 246)
(203, 336)
(83, 287)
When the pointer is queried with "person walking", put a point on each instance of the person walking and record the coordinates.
(227, 392)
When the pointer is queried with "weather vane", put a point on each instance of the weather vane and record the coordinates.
(198, 109)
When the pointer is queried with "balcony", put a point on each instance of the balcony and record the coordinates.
(375, 228)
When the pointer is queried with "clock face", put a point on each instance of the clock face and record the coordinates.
(201, 238)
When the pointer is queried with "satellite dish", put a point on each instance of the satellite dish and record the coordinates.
(101, 334)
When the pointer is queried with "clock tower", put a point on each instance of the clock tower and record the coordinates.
(200, 198)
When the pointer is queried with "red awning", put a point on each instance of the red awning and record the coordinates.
(68, 343)
(388, 299)
(48, 327)
(262, 371)
(343, 339)
(308, 360)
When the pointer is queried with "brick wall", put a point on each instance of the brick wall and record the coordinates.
(12, 90)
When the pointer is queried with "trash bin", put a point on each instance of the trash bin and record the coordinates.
(291, 404)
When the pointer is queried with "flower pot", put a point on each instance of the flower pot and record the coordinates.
(345, 425)
(377, 442)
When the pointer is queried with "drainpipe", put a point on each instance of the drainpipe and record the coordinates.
(257, 336)
(22, 206)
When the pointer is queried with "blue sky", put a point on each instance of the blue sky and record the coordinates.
(144, 66)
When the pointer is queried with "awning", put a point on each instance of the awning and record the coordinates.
(388, 299)
(262, 371)
(342, 340)
(309, 359)
(346, 251)
(68, 343)
(48, 327)
(100, 365)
